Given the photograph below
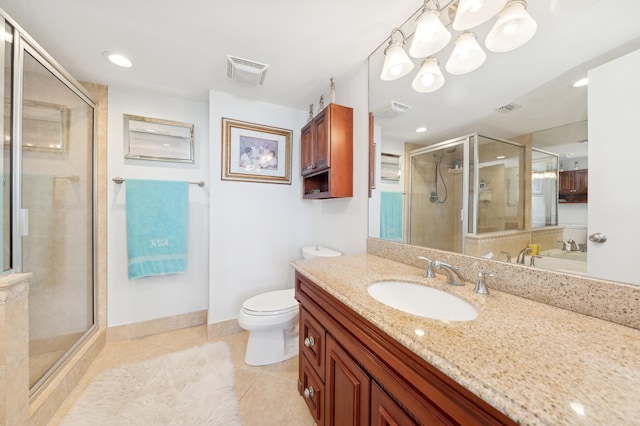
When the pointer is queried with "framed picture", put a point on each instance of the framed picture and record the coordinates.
(255, 152)
(158, 140)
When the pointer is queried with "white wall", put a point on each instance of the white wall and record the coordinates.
(341, 224)
(132, 301)
(257, 229)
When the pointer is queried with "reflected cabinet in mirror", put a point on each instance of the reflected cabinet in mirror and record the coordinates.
(517, 163)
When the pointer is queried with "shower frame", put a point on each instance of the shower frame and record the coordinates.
(470, 150)
(23, 43)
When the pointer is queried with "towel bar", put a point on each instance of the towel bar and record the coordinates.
(120, 180)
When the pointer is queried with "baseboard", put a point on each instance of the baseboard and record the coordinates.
(223, 328)
(159, 325)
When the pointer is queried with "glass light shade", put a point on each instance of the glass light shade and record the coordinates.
(466, 56)
(397, 63)
(472, 13)
(430, 37)
(429, 78)
(513, 28)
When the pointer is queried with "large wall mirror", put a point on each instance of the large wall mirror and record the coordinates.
(525, 96)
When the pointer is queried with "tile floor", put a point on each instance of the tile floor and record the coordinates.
(268, 395)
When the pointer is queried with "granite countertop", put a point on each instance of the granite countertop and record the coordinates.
(536, 363)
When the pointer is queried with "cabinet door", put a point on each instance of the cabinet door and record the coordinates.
(322, 139)
(581, 181)
(385, 412)
(566, 183)
(347, 388)
(307, 148)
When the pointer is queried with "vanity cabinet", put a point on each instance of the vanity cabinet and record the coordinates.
(327, 153)
(573, 186)
(352, 373)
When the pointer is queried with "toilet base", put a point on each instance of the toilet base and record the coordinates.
(271, 346)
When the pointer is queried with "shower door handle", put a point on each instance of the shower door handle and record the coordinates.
(24, 222)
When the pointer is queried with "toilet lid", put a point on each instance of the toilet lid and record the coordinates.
(271, 303)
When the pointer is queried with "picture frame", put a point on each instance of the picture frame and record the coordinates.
(157, 139)
(255, 152)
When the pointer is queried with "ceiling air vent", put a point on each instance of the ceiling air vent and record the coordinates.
(508, 108)
(245, 71)
(392, 109)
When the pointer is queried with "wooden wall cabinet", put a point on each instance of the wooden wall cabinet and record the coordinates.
(573, 186)
(352, 373)
(327, 153)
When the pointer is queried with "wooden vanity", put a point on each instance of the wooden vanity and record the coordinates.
(519, 362)
(350, 372)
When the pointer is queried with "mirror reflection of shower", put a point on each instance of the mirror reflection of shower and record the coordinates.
(439, 180)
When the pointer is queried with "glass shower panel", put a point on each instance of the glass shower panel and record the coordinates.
(6, 151)
(544, 188)
(57, 196)
(436, 195)
(500, 185)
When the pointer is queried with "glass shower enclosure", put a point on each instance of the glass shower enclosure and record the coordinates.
(470, 185)
(48, 199)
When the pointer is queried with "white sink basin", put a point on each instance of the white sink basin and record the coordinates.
(422, 300)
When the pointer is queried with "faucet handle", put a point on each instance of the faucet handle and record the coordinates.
(532, 261)
(481, 287)
(428, 272)
(508, 255)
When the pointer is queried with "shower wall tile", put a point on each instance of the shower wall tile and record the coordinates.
(14, 349)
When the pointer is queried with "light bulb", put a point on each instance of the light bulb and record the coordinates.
(427, 79)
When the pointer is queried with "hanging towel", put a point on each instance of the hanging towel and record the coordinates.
(391, 216)
(157, 223)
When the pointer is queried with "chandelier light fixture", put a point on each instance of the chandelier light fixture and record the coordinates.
(513, 28)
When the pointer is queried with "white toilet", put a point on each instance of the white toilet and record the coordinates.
(272, 320)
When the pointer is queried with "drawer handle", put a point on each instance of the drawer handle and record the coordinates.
(309, 342)
(308, 392)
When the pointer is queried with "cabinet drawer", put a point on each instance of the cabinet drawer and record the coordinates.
(312, 341)
(312, 390)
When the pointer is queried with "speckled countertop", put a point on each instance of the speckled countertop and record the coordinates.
(536, 363)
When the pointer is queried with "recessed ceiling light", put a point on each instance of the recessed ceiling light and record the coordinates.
(581, 83)
(117, 59)
(421, 129)
(501, 157)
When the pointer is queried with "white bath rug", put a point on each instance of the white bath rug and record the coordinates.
(191, 387)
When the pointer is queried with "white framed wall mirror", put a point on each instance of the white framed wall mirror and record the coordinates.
(156, 139)
(525, 96)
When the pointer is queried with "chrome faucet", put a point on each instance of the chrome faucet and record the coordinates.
(481, 287)
(572, 245)
(522, 255)
(428, 272)
(453, 275)
(508, 255)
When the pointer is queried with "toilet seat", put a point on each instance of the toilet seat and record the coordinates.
(272, 303)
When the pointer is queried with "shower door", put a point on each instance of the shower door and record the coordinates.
(55, 209)
(436, 196)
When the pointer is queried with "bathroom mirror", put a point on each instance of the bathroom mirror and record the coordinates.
(524, 95)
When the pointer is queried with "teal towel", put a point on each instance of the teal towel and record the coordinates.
(157, 224)
(391, 216)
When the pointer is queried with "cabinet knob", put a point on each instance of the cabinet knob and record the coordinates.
(309, 342)
(308, 392)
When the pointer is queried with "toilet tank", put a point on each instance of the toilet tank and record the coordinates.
(315, 251)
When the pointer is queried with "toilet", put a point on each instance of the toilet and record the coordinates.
(272, 320)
